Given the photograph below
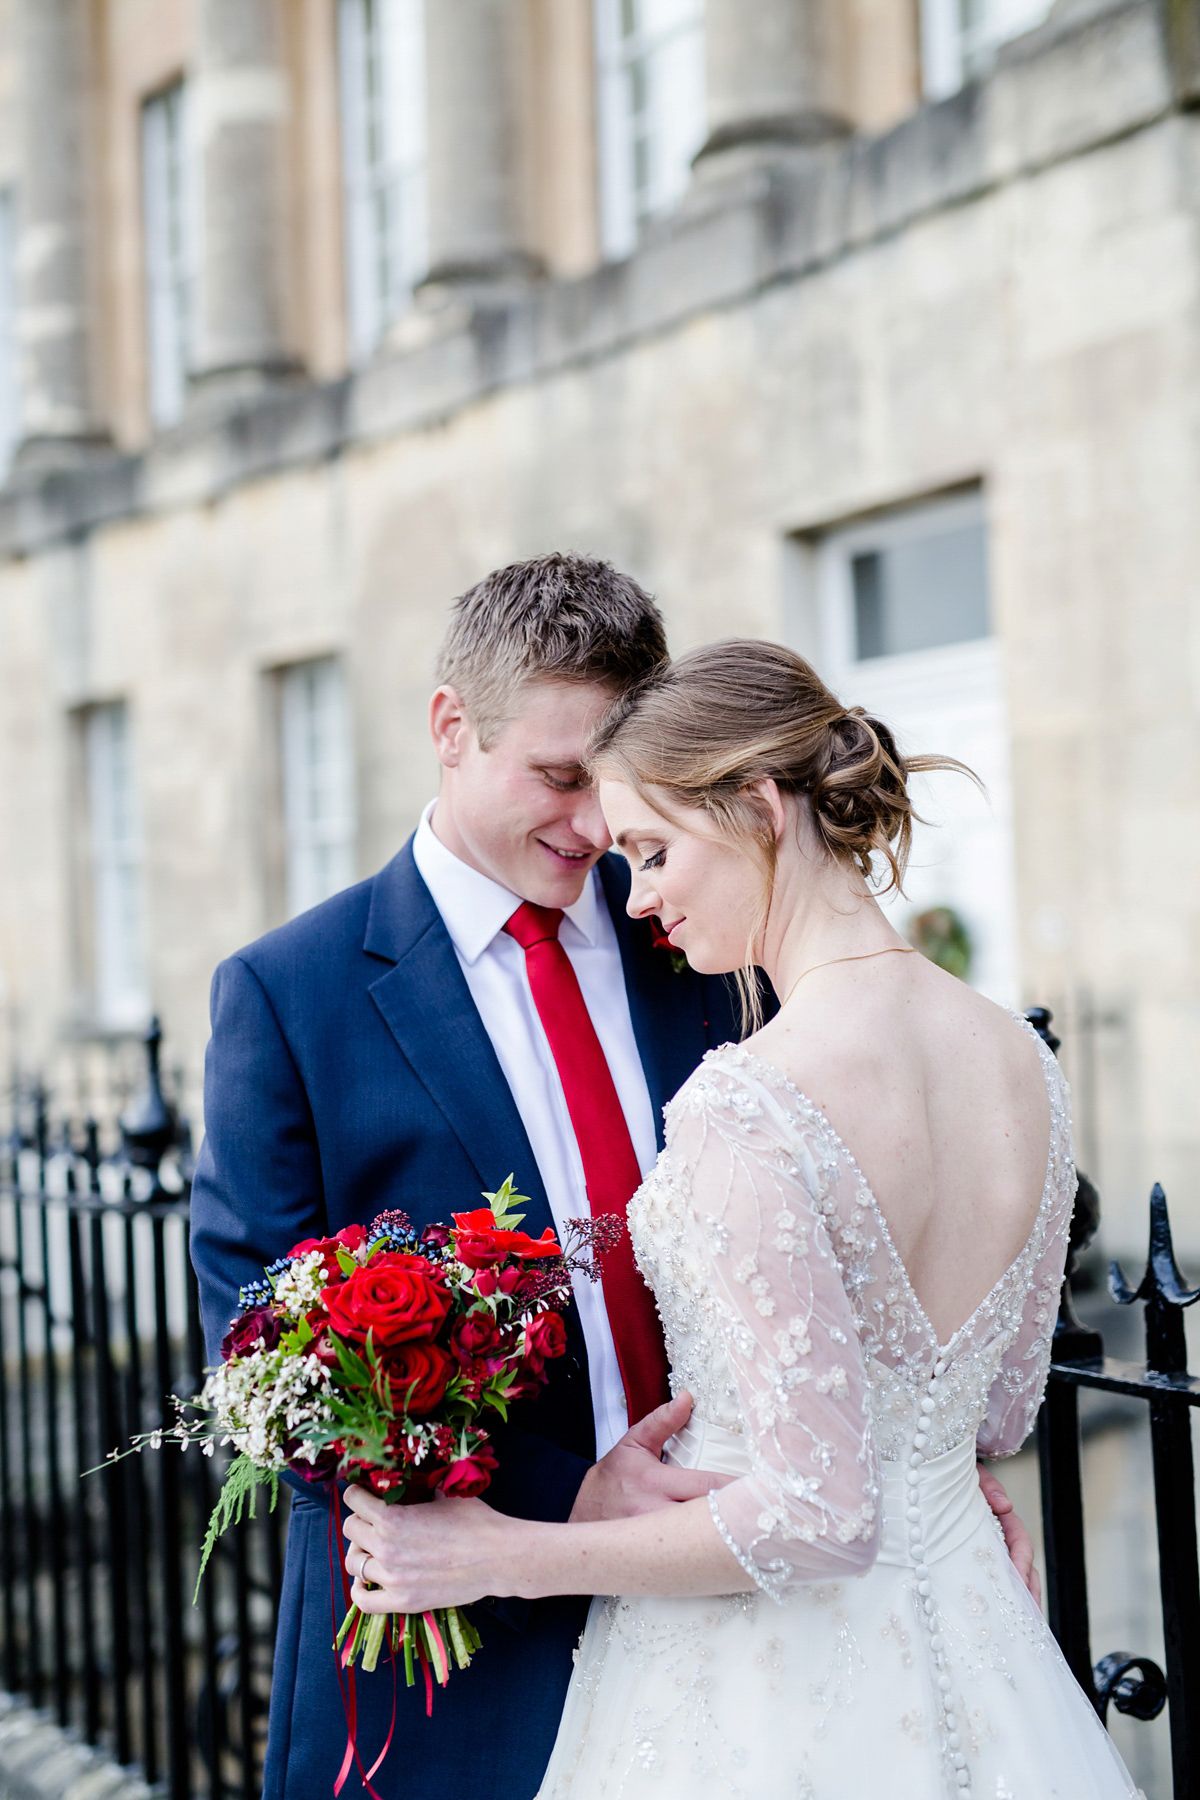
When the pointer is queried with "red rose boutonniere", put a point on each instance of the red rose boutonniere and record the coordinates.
(661, 941)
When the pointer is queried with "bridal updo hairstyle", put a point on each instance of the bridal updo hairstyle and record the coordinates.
(699, 731)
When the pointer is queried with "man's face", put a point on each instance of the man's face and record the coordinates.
(522, 811)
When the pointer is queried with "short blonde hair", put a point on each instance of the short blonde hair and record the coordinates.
(558, 618)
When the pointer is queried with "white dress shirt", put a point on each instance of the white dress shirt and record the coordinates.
(475, 910)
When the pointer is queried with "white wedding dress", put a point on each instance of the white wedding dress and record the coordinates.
(888, 1650)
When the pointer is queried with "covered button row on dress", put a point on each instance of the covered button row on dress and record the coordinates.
(925, 1601)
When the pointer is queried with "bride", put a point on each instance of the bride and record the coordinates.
(855, 1237)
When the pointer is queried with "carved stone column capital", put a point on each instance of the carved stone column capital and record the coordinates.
(770, 76)
(239, 105)
(59, 419)
(474, 228)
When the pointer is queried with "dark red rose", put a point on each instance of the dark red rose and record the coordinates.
(545, 1337)
(469, 1475)
(395, 1296)
(321, 1470)
(350, 1239)
(321, 1344)
(474, 1336)
(244, 1333)
(418, 1374)
(436, 1236)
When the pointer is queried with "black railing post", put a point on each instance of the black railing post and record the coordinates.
(178, 1749)
(1062, 1530)
(108, 1414)
(83, 1460)
(53, 1421)
(1163, 1290)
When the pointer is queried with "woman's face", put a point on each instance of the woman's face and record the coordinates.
(705, 889)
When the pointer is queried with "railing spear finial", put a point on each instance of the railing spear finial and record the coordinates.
(1163, 1290)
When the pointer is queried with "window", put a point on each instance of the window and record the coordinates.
(167, 227)
(650, 58)
(895, 612)
(10, 389)
(959, 38)
(318, 782)
(913, 592)
(381, 46)
(115, 845)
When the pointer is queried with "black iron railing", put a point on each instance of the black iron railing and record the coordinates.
(1131, 1682)
(99, 1327)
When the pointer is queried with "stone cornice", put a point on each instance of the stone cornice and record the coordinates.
(1092, 75)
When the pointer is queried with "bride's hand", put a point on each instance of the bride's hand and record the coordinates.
(413, 1558)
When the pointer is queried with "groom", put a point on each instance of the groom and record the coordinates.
(482, 1006)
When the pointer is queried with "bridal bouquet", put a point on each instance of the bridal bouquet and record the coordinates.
(374, 1356)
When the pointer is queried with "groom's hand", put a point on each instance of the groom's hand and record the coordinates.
(1017, 1539)
(633, 1478)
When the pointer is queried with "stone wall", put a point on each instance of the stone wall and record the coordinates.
(1001, 289)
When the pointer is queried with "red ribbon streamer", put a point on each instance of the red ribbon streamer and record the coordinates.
(346, 1687)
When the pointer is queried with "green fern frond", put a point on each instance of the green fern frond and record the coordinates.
(238, 1497)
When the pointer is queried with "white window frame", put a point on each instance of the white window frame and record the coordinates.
(317, 769)
(381, 62)
(168, 213)
(120, 988)
(657, 50)
(959, 38)
(10, 379)
(948, 699)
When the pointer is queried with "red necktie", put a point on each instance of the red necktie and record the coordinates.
(610, 1167)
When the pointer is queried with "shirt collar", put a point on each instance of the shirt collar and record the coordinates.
(475, 909)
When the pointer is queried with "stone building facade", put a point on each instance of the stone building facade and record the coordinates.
(829, 320)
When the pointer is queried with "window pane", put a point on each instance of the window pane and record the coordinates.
(116, 857)
(959, 38)
(381, 50)
(318, 783)
(650, 61)
(919, 593)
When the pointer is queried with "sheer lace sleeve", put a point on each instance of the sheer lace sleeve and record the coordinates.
(808, 1510)
(1017, 1391)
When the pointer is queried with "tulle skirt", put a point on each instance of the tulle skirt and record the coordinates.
(838, 1695)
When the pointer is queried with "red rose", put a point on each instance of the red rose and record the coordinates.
(395, 1296)
(545, 1337)
(479, 1243)
(469, 1475)
(436, 1236)
(350, 1239)
(473, 1336)
(245, 1333)
(418, 1374)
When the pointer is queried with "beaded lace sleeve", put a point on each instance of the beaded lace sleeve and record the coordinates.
(758, 1191)
(1017, 1391)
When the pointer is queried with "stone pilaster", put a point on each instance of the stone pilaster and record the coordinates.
(238, 111)
(474, 230)
(770, 75)
(59, 421)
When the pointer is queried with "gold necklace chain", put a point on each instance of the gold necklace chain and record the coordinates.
(862, 956)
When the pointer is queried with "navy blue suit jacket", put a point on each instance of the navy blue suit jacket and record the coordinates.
(349, 1072)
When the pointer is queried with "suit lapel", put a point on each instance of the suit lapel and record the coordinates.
(427, 1006)
(666, 1007)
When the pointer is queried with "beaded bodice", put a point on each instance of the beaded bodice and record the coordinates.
(791, 1320)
